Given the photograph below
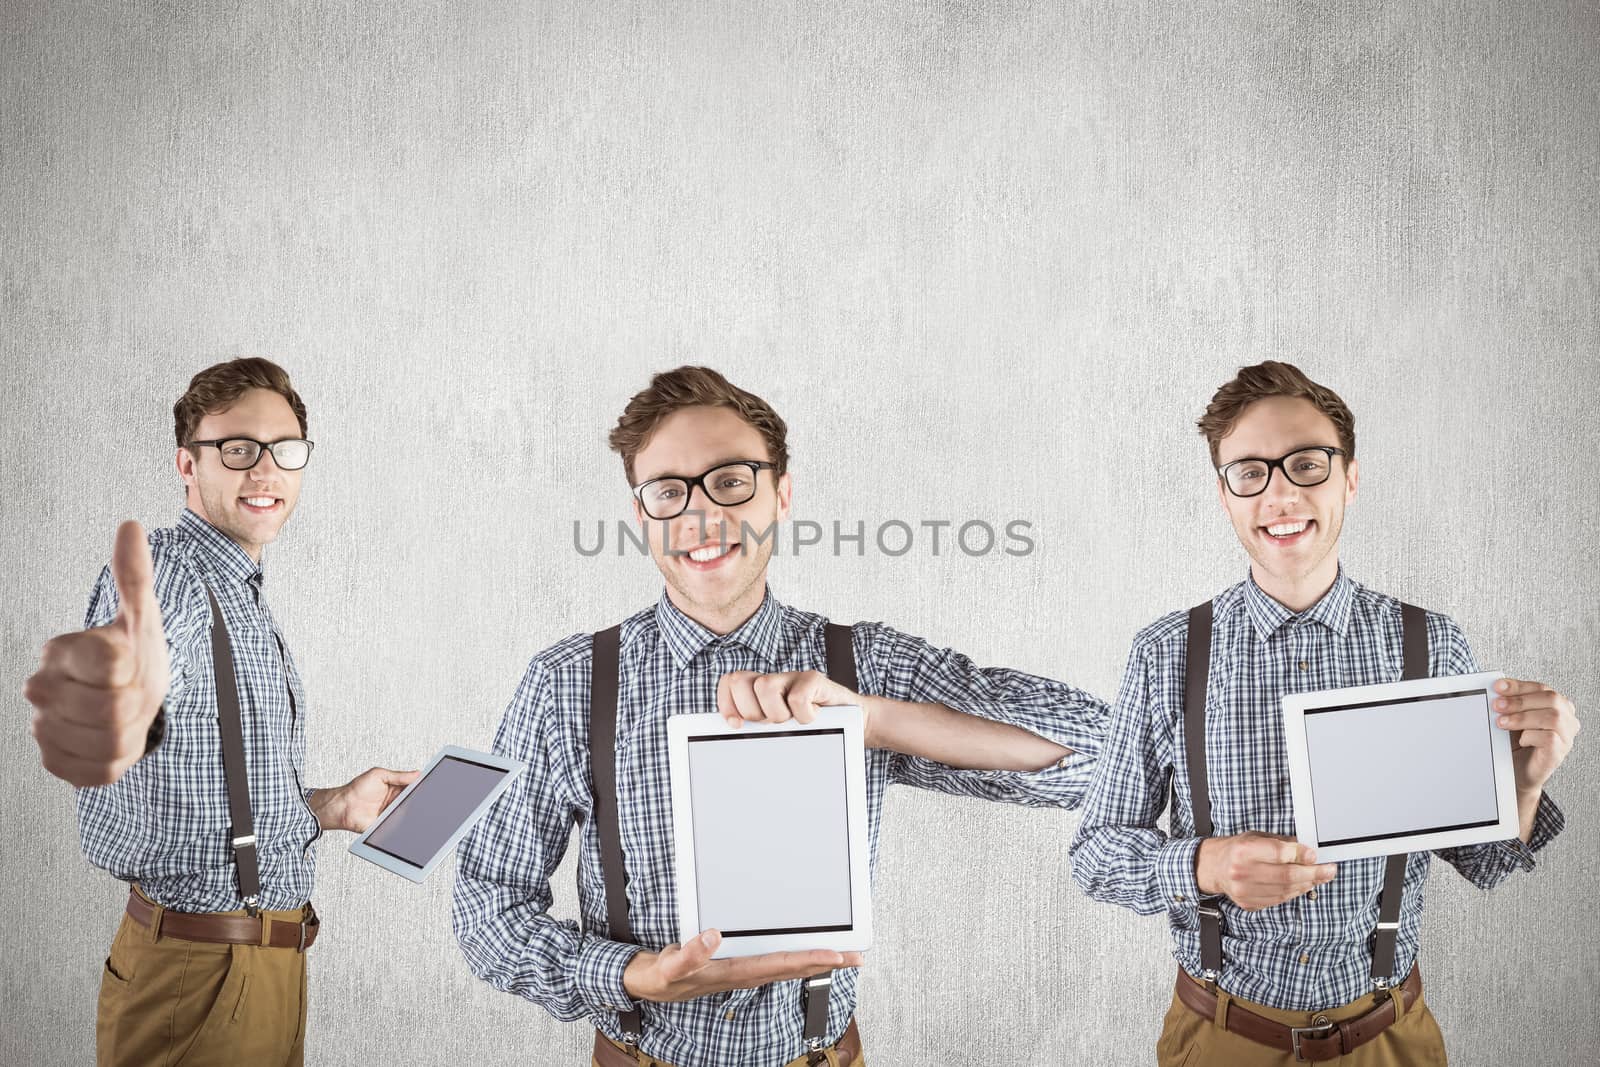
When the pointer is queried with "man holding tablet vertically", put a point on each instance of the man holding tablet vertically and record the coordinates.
(708, 466)
(1283, 958)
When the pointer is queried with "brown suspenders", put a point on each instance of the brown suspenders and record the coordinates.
(603, 688)
(1197, 674)
(1197, 668)
(603, 769)
(233, 765)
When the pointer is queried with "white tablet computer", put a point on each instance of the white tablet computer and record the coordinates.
(770, 832)
(454, 791)
(1399, 767)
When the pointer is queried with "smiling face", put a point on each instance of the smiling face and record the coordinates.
(716, 572)
(1291, 532)
(249, 506)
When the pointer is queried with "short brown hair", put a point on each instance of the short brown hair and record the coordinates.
(687, 387)
(218, 386)
(1272, 378)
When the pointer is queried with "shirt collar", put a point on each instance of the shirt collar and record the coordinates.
(686, 638)
(1332, 611)
(221, 551)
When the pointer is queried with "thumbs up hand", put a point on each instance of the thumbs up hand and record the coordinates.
(97, 691)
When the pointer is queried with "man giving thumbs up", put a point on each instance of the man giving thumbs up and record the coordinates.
(180, 716)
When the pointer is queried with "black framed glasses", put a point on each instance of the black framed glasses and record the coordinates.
(1303, 467)
(242, 453)
(727, 484)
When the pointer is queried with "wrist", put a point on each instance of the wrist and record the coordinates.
(637, 974)
(874, 715)
(324, 804)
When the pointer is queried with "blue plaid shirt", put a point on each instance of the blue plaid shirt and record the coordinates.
(165, 823)
(1315, 951)
(670, 665)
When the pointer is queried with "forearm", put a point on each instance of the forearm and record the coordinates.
(968, 742)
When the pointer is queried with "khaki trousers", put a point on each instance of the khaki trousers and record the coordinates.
(166, 1002)
(1187, 1040)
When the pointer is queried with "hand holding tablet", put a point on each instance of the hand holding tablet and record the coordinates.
(455, 790)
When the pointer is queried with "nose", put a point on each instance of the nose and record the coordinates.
(264, 461)
(1280, 491)
(699, 521)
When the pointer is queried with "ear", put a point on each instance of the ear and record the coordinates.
(1222, 496)
(1351, 477)
(185, 463)
(785, 495)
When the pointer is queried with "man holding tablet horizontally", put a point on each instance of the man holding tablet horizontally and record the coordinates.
(707, 463)
(1283, 958)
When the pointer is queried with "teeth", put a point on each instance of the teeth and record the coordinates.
(1284, 529)
(259, 501)
(710, 552)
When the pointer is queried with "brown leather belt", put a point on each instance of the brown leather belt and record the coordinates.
(1318, 1042)
(227, 929)
(607, 1053)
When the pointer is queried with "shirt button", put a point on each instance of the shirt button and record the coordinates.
(1312, 895)
(728, 1015)
(1304, 958)
(1178, 898)
(1302, 664)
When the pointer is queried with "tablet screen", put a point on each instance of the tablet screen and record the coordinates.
(434, 809)
(771, 836)
(1396, 767)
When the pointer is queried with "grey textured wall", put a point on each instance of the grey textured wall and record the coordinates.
(988, 259)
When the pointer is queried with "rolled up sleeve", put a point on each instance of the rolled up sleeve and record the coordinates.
(904, 667)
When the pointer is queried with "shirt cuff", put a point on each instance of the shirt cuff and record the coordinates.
(1062, 784)
(1065, 782)
(599, 978)
(1548, 821)
(1175, 872)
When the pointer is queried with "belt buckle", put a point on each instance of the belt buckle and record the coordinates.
(1316, 1030)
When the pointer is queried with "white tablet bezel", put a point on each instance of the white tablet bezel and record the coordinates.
(405, 868)
(1295, 707)
(845, 717)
